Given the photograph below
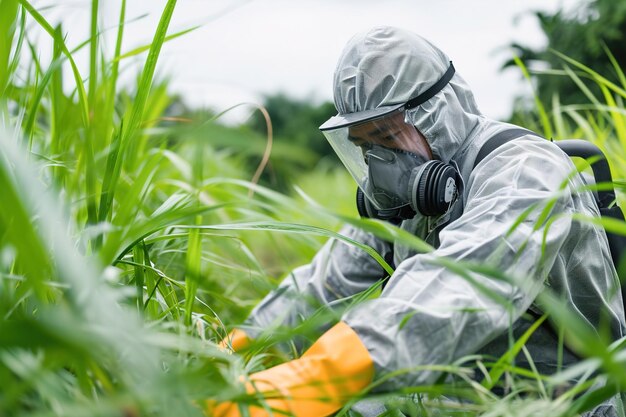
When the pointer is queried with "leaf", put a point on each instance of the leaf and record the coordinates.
(144, 48)
(292, 228)
(82, 94)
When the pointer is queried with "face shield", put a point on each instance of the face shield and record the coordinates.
(380, 152)
(384, 154)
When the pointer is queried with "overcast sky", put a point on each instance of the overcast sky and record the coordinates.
(247, 48)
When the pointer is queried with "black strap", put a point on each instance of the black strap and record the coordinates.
(500, 139)
(434, 89)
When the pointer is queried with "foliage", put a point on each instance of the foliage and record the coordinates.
(96, 189)
(296, 123)
(592, 33)
(602, 122)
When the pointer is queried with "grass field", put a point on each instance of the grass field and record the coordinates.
(131, 242)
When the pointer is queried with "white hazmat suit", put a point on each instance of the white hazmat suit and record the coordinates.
(426, 313)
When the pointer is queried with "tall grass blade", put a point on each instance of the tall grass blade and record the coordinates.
(192, 271)
(33, 112)
(138, 256)
(507, 359)
(109, 105)
(58, 106)
(93, 57)
(90, 139)
(82, 94)
(581, 85)
(594, 75)
(106, 200)
(617, 118)
(120, 243)
(543, 116)
(152, 280)
(616, 66)
(17, 53)
(8, 26)
(293, 228)
(144, 48)
(131, 126)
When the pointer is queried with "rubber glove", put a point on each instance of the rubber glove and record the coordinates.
(236, 340)
(320, 382)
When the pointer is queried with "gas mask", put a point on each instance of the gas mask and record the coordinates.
(402, 184)
(392, 162)
(389, 175)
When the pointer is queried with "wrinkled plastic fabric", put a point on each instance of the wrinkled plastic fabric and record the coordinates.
(427, 314)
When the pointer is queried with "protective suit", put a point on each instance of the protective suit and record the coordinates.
(426, 313)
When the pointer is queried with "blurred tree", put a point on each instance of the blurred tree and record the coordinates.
(298, 146)
(582, 34)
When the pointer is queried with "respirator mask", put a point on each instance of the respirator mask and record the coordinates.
(392, 162)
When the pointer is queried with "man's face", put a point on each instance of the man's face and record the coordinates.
(391, 132)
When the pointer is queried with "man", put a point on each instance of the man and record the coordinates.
(409, 131)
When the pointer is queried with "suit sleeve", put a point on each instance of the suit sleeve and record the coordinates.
(337, 271)
(429, 314)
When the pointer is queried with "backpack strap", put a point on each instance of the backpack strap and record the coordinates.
(500, 139)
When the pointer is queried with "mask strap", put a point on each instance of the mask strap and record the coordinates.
(434, 89)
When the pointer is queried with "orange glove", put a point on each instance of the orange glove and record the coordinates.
(236, 340)
(317, 384)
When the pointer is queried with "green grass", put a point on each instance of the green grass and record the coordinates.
(130, 244)
(601, 121)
